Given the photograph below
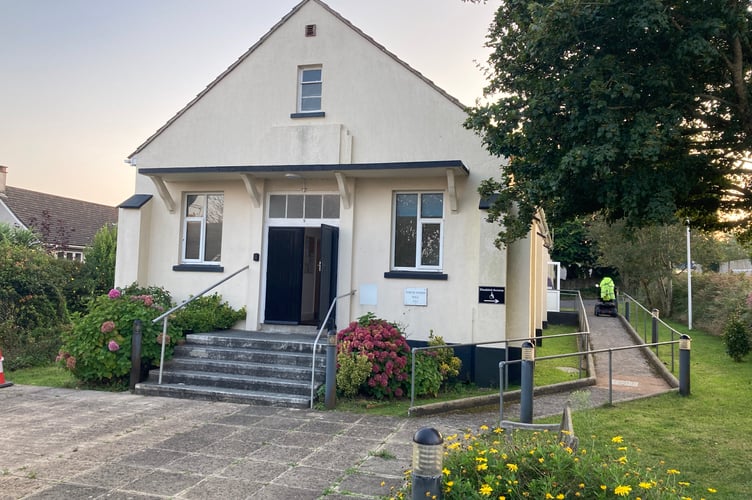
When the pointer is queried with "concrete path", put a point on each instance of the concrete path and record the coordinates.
(68, 444)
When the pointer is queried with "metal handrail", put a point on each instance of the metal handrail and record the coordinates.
(318, 336)
(164, 316)
(650, 314)
(609, 350)
(415, 350)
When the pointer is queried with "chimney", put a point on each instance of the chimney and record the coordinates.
(3, 178)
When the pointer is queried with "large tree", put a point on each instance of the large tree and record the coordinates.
(635, 109)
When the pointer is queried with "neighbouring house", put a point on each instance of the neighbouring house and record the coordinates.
(327, 165)
(65, 226)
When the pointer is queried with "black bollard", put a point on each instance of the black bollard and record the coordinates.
(428, 457)
(135, 355)
(526, 382)
(330, 397)
(626, 310)
(684, 356)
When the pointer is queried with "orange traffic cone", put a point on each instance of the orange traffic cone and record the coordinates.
(3, 383)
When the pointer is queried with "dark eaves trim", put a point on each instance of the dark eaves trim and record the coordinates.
(338, 167)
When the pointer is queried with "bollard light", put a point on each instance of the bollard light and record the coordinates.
(428, 457)
(685, 342)
(528, 351)
(656, 313)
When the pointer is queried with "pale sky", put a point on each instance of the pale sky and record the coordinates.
(84, 82)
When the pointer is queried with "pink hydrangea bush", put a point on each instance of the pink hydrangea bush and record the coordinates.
(387, 350)
(98, 347)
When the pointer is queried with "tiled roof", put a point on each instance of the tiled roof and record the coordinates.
(77, 220)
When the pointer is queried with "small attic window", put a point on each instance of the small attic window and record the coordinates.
(310, 30)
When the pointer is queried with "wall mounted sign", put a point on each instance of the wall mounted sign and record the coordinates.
(416, 296)
(490, 294)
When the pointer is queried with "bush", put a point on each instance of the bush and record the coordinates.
(536, 465)
(98, 348)
(206, 314)
(33, 308)
(736, 337)
(715, 298)
(387, 351)
(434, 367)
(28, 348)
(353, 369)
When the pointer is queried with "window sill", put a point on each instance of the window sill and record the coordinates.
(310, 114)
(416, 275)
(201, 268)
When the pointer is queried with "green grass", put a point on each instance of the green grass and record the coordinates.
(706, 435)
(553, 371)
(47, 376)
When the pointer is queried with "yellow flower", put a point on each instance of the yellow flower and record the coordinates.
(512, 467)
(645, 485)
(446, 471)
(541, 460)
(622, 448)
(483, 427)
(502, 497)
(454, 445)
(712, 490)
(498, 430)
(683, 483)
(672, 472)
(622, 460)
(617, 439)
(493, 450)
(604, 487)
(485, 490)
(582, 486)
(549, 496)
(560, 496)
(622, 491)
(482, 467)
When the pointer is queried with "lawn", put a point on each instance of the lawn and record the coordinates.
(706, 436)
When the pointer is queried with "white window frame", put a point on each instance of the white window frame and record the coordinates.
(420, 222)
(301, 71)
(202, 220)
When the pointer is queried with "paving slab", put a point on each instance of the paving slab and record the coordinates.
(71, 444)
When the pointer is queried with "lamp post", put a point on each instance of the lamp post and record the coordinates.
(689, 280)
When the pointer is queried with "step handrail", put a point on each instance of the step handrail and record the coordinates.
(164, 316)
(318, 336)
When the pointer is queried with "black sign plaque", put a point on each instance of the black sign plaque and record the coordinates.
(490, 294)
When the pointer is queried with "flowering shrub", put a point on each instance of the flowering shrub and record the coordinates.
(434, 367)
(386, 349)
(736, 336)
(353, 369)
(98, 347)
(536, 465)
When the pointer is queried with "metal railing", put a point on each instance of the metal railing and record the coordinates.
(644, 321)
(165, 316)
(583, 337)
(610, 350)
(318, 336)
(506, 342)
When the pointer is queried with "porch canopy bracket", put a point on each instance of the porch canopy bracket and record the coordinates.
(164, 193)
(344, 194)
(451, 190)
(251, 185)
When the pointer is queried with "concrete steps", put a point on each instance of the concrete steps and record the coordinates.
(265, 368)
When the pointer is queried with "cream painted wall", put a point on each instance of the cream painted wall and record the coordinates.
(377, 111)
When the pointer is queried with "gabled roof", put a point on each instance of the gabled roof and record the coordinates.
(264, 38)
(78, 220)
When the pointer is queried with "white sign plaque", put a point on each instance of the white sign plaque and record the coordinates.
(416, 296)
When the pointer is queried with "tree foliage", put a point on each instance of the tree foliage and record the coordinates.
(635, 109)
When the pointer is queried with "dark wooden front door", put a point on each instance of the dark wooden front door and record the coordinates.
(284, 275)
(328, 283)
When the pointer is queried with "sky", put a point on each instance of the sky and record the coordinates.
(84, 82)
